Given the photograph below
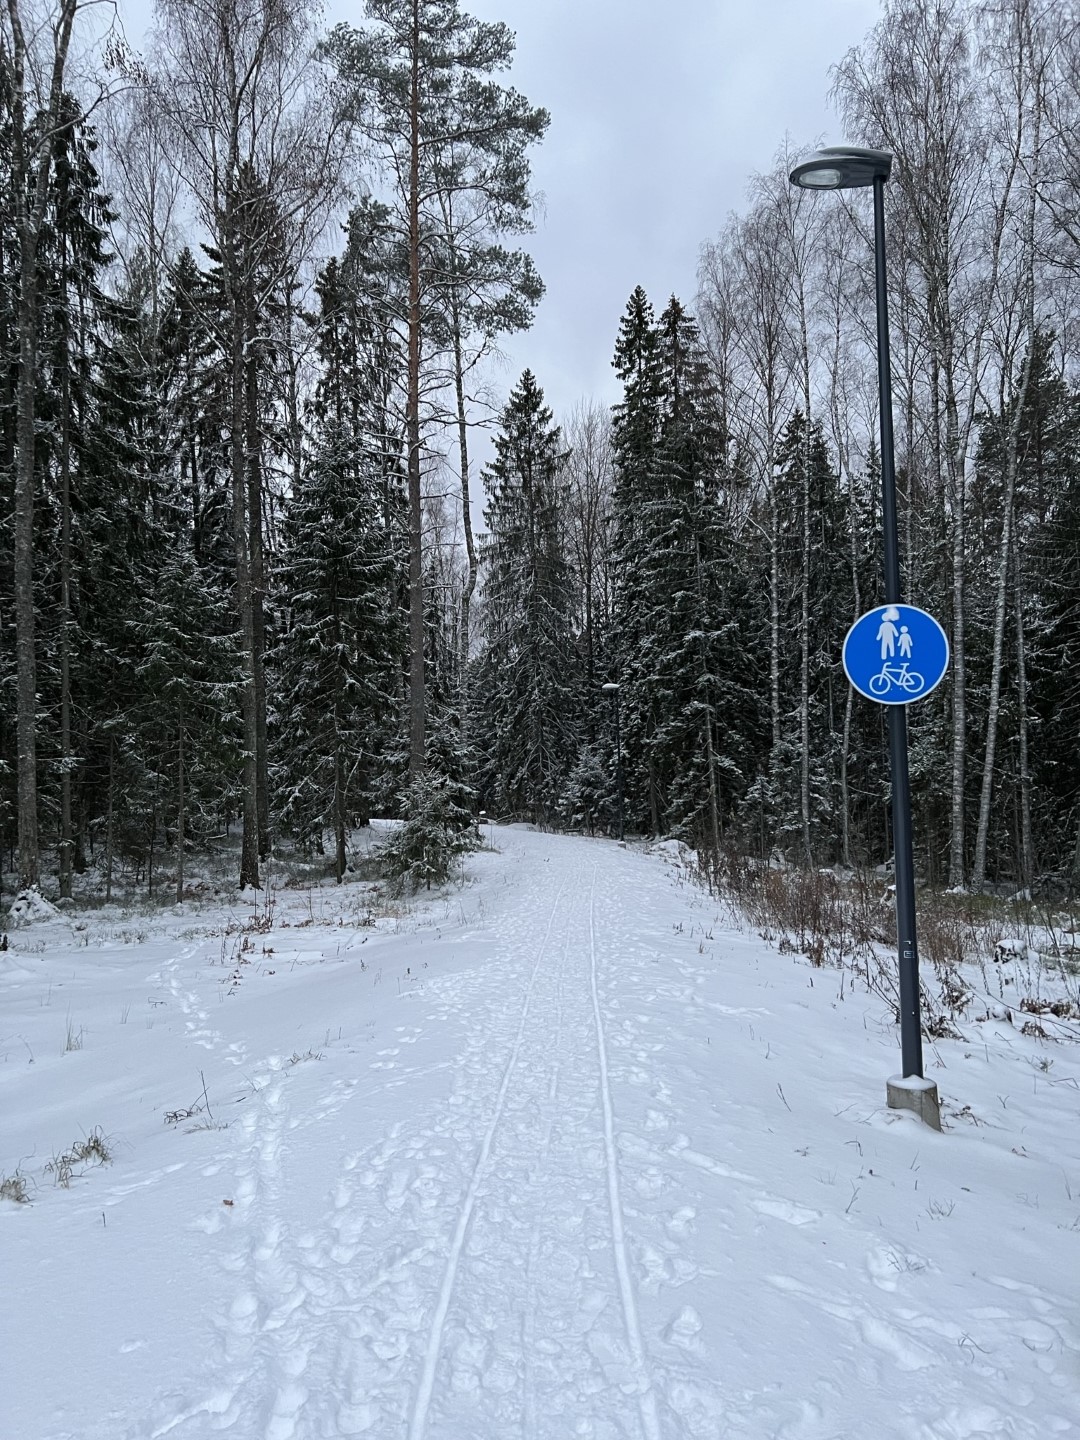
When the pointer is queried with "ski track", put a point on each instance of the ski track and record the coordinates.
(505, 1258)
(418, 1424)
(387, 1314)
(647, 1400)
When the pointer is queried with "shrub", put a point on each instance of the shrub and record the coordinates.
(437, 831)
(92, 1149)
(13, 1188)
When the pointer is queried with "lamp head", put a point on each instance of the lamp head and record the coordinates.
(841, 167)
(610, 688)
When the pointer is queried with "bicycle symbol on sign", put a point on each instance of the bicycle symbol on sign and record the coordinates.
(893, 640)
(898, 675)
(895, 654)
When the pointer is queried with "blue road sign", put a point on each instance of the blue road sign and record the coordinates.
(896, 654)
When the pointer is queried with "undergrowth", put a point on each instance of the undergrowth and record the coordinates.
(980, 957)
(92, 1149)
(14, 1188)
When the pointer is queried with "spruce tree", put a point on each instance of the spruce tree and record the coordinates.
(189, 676)
(688, 678)
(338, 662)
(811, 541)
(526, 691)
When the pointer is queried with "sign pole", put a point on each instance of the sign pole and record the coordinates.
(900, 653)
(906, 943)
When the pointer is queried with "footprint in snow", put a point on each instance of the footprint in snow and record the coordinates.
(685, 1329)
(681, 1221)
(784, 1210)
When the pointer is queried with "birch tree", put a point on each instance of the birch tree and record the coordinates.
(260, 150)
(913, 89)
(1019, 49)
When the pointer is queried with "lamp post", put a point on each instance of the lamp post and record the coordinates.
(613, 690)
(845, 167)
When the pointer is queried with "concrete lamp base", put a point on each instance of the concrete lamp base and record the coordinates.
(913, 1093)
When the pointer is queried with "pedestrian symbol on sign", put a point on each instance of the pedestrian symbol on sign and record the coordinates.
(881, 648)
(887, 631)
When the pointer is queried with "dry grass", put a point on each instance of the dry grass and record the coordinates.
(92, 1149)
(14, 1188)
(847, 920)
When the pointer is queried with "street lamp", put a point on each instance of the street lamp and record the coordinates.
(845, 167)
(613, 690)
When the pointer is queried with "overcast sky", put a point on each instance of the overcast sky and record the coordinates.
(660, 110)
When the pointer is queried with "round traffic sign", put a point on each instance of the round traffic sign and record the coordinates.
(896, 654)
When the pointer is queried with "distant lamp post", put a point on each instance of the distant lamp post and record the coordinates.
(844, 167)
(613, 690)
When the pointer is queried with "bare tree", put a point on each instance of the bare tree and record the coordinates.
(758, 294)
(913, 89)
(589, 479)
(144, 181)
(799, 228)
(1020, 52)
(260, 148)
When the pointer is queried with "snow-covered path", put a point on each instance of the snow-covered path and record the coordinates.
(585, 1161)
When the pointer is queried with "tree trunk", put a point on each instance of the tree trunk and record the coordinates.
(339, 814)
(774, 612)
(804, 655)
(710, 749)
(466, 514)
(30, 167)
(954, 462)
(978, 870)
(1027, 849)
(845, 749)
(67, 845)
(412, 422)
(26, 658)
(180, 807)
(978, 875)
(249, 853)
(109, 821)
(257, 563)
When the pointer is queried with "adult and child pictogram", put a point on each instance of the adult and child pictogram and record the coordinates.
(883, 648)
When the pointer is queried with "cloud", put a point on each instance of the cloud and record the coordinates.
(660, 111)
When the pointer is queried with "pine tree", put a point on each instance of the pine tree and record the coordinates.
(451, 142)
(121, 545)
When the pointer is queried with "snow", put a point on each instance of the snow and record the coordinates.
(566, 1152)
(29, 908)
(913, 1083)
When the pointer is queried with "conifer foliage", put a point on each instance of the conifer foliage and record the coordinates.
(686, 675)
(238, 578)
(527, 681)
(338, 661)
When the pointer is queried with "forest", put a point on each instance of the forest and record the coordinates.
(251, 279)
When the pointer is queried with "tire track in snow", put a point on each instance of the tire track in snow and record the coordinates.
(650, 1420)
(418, 1423)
